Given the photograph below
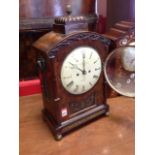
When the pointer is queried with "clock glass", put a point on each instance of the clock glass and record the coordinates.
(81, 70)
(119, 70)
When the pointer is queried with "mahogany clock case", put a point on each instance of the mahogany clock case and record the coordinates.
(52, 49)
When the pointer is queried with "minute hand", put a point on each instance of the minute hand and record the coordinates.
(84, 64)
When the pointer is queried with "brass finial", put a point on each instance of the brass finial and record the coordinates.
(68, 9)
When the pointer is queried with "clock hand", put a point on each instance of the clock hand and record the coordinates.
(79, 69)
(76, 67)
(83, 64)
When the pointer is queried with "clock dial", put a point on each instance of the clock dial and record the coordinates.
(119, 70)
(128, 58)
(81, 70)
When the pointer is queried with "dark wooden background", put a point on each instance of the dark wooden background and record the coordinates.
(118, 10)
(50, 8)
(36, 19)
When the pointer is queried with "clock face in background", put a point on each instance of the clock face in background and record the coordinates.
(81, 70)
(119, 70)
(128, 58)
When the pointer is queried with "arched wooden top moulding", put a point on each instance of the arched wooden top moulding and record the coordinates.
(52, 42)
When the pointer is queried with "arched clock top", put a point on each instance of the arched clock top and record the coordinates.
(52, 42)
(76, 37)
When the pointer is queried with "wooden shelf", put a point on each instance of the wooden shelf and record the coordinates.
(112, 135)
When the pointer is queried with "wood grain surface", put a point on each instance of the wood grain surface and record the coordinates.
(50, 8)
(112, 135)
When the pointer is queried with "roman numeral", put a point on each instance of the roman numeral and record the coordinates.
(76, 89)
(95, 77)
(96, 61)
(68, 77)
(71, 64)
(76, 60)
(83, 55)
(90, 83)
(91, 55)
(70, 84)
(83, 88)
(96, 69)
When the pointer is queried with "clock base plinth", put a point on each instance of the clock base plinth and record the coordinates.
(59, 130)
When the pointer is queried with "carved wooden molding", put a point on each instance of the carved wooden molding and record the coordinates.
(76, 37)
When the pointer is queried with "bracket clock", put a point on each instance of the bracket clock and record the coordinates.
(71, 71)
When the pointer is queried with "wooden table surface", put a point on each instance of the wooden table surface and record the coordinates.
(112, 135)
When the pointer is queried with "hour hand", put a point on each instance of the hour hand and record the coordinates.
(83, 62)
(76, 67)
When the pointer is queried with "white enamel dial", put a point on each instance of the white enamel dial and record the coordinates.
(81, 70)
